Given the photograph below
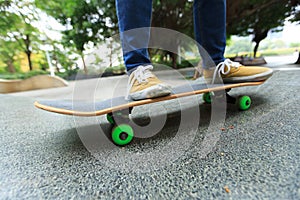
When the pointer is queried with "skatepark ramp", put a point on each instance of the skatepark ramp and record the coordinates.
(33, 83)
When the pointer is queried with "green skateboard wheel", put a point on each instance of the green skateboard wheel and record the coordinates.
(207, 97)
(122, 134)
(244, 102)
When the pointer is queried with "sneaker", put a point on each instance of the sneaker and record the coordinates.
(143, 84)
(231, 71)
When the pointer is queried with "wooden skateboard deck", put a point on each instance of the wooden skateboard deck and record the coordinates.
(86, 109)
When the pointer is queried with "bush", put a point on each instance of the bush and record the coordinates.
(67, 74)
(295, 45)
(19, 75)
(276, 52)
(183, 64)
(115, 69)
(188, 63)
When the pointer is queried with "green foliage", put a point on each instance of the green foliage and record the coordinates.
(62, 59)
(268, 47)
(295, 11)
(174, 14)
(248, 17)
(86, 21)
(277, 52)
(237, 46)
(258, 17)
(4, 4)
(8, 51)
(188, 63)
(295, 44)
(160, 64)
(115, 69)
(20, 75)
(16, 31)
(273, 44)
(68, 73)
(91, 21)
(266, 52)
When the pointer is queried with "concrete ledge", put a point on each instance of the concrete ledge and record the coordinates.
(33, 83)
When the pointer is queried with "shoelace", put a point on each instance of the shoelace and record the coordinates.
(141, 74)
(224, 68)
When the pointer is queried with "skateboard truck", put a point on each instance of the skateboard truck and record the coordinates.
(122, 132)
(242, 102)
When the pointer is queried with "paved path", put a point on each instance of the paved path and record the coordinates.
(255, 156)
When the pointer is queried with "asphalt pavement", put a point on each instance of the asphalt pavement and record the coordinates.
(255, 154)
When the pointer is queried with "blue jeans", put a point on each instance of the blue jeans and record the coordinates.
(209, 26)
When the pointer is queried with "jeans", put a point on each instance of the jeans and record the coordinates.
(209, 26)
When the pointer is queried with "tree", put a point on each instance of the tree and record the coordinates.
(90, 21)
(257, 17)
(85, 21)
(296, 18)
(7, 48)
(61, 58)
(16, 27)
(237, 46)
(176, 15)
(4, 4)
(8, 51)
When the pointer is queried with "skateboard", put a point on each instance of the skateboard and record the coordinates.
(119, 107)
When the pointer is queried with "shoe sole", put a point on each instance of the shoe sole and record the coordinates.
(257, 77)
(151, 92)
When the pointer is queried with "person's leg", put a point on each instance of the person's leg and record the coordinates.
(210, 29)
(132, 14)
(210, 33)
(134, 24)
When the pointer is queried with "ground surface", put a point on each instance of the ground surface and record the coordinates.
(255, 156)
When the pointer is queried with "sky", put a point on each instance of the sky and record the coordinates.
(291, 32)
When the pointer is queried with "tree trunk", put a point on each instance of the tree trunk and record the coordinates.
(110, 46)
(298, 60)
(174, 60)
(28, 51)
(54, 57)
(258, 37)
(255, 49)
(11, 67)
(84, 65)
